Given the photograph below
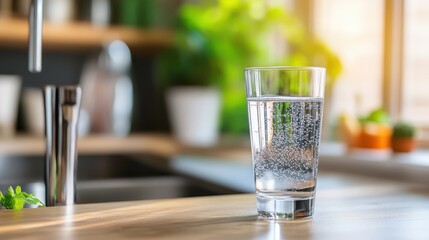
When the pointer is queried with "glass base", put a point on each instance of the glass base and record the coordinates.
(284, 209)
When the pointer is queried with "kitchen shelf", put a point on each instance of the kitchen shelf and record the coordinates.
(158, 144)
(82, 36)
(163, 145)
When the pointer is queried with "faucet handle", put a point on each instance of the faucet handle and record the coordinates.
(70, 95)
(69, 105)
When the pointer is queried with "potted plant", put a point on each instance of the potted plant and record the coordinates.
(403, 138)
(215, 41)
(375, 130)
(190, 73)
(372, 131)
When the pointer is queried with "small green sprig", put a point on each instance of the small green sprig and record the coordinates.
(15, 199)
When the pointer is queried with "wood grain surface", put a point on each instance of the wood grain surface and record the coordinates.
(364, 211)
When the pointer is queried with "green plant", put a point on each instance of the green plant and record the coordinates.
(403, 130)
(216, 41)
(15, 199)
(190, 62)
(135, 13)
(379, 116)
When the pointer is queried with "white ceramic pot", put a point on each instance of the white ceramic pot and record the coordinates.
(59, 11)
(194, 115)
(10, 86)
(32, 100)
(100, 12)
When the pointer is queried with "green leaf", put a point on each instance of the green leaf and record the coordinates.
(18, 189)
(8, 201)
(18, 203)
(377, 116)
(10, 192)
(32, 200)
(1, 199)
(17, 199)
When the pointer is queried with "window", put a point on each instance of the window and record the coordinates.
(384, 48)
(354, 30)
(415, 105)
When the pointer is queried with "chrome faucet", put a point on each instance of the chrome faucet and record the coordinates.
(62, 106)
(35, 20)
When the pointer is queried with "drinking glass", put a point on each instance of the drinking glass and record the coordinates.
(285, 107)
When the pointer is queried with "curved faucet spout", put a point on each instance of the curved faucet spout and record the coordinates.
(35, 20)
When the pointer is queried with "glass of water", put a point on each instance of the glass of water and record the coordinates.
(285, 107)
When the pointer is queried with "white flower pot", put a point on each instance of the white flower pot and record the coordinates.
(10, 86)
(194, 114)
(59, 11)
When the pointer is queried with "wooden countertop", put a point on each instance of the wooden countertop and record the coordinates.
(376, 210)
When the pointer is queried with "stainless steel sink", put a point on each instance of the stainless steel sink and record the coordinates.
(103, 179)
(24, 169)
(138, 189)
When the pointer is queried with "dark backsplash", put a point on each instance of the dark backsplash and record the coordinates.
(64, 68)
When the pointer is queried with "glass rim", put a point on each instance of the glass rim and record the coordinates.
(284, 68)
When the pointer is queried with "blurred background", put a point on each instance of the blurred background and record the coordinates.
(374, 52)
(176, 66)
